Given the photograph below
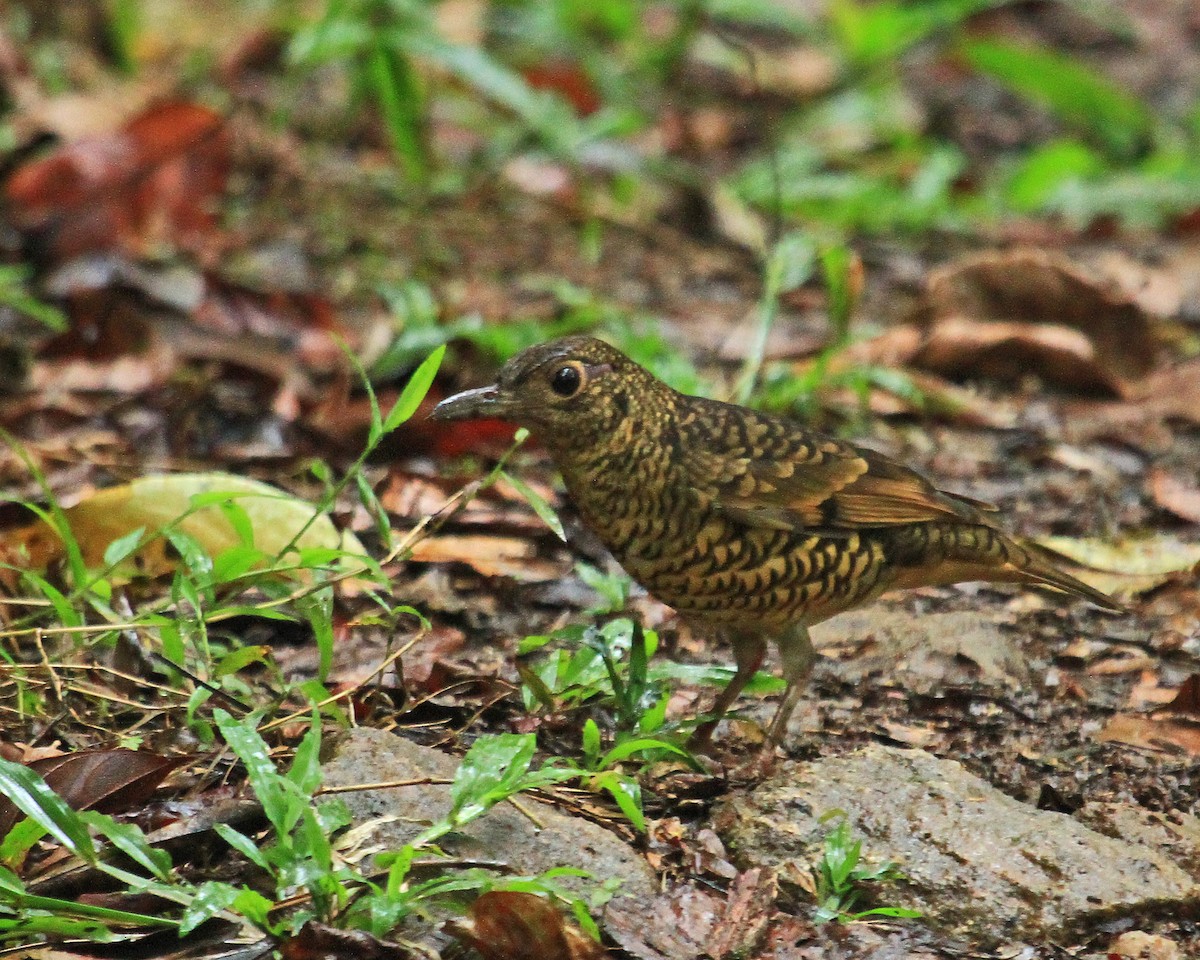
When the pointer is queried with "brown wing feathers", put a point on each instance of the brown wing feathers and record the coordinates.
(803, 481)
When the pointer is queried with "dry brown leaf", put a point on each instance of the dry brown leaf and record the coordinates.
(510, 925)
(488, 555)
(110, 781)
(1175, 493)
(742, 927)
(152, 182)
(1172, 393)
(1006, 315)
(1166, 735)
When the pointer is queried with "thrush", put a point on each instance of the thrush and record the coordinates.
(752, 527)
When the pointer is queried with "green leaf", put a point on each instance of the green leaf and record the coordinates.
(1044, 170)
(28, 793)
(317, 608)
(591, 743)
(19, 841)
(628, 795)
(397, 91)
(240, 658)
(630, 748)
(872, 33)
(305, 771)
(1086, 100)
(414, 391)
(129, 839)
(213, 897)
(544, 511)
(281, 805)
(243, 845)
(122, 547)
(491, 769)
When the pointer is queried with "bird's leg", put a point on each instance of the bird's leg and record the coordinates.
(749, 650)
(798, 656)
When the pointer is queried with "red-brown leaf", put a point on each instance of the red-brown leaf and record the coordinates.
(153, 182)
(508, 925)
(110, 781)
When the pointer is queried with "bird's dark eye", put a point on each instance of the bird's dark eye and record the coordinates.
(566, 381)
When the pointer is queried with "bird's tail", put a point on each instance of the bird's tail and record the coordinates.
(942, 553)
(1034, 564)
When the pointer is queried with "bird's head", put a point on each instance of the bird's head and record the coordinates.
(565, 390)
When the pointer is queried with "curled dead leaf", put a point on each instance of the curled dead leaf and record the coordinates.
(1006, 315)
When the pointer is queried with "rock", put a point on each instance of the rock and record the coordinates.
(926, 653)
(502, 835)
(1136, 945)
(1176, 835)
(977, 863)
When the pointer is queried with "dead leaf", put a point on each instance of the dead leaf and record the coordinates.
(1137, 945)
(1171, 736)
(1129, 568)
(675, 925)
(1175, 493)
(568, 80)
(317, 941)
(1187, 699)
(298, 322)
(1149, 692)
(159, 500)
(1172, 393)
(1007, 315)
(110, 781)
(742, 926)
(111, 347)
(489, 555)
(153, 182)
(510, 925)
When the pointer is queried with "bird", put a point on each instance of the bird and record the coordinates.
(751, 526)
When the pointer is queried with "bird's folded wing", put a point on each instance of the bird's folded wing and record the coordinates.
(804, 481)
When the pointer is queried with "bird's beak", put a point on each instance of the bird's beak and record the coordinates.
(480, 402)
